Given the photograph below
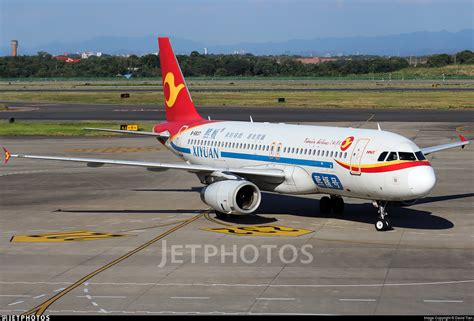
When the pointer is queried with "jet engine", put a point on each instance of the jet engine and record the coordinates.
(237, 197)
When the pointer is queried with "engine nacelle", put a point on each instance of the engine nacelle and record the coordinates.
(232, 196)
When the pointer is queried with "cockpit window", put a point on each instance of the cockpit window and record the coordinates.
(392, 157)
(406, 156)
(420, 155)
(382, 156)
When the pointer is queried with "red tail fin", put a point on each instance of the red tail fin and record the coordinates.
(178, 102)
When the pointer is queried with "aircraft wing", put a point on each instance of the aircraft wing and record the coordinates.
(133, 132)
(463, 141)
(97, 162)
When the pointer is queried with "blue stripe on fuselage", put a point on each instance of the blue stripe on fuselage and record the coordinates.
(264, 158)
(180, 149)
(284, 160)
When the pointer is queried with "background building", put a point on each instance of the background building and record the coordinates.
(14, 45)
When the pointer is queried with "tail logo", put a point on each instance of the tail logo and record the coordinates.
(173, 90)
(7, 155)
(347, 143)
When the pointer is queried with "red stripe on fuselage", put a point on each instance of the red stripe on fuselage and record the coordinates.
(385, 168)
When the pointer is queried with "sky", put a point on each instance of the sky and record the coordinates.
(38, 22)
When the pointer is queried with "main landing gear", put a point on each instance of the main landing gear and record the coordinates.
(334, 203)
(221, 215)
(382, 224)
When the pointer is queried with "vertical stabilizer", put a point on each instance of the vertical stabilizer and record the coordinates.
(178, 103)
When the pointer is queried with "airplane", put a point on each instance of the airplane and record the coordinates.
(236, 160)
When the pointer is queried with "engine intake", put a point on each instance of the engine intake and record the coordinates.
(232, 196)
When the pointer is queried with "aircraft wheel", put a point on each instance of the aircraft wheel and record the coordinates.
(325, 205)
(337, 205)
(382, 225)
(389, 225)
(221, 215)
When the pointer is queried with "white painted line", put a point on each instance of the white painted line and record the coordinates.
(15, 295)
(443, 301)
(102, 296)
(39, 296)
(277, 299)
(191, 297)
(168, 312)
(86, 290)
(57, 290)
(102, 311)
(15, 310)
(358, 300)
(95, 304)
(15, 303)
(251, 285)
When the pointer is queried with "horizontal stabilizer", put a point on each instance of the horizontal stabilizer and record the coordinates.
(132, 132)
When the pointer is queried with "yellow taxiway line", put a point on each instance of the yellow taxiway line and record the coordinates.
(40, 309)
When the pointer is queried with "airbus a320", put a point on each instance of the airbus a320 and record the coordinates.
(237, 160)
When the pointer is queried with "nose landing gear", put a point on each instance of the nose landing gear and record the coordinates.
(382, 224)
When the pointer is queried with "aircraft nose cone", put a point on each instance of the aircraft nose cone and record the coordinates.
(421, 180)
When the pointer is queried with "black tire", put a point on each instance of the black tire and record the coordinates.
(382, 225)
(389, 225)
(325, 205)
(221, 215)
(337, 204)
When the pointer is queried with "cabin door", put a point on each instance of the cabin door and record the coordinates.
(357, 154)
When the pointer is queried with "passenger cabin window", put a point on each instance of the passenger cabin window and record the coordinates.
(406, 156)
(382, 156)
(420, 155)
(392, 157)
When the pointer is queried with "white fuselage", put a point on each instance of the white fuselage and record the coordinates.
(315, 159)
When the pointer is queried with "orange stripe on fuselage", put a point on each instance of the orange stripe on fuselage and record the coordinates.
(385, 166)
